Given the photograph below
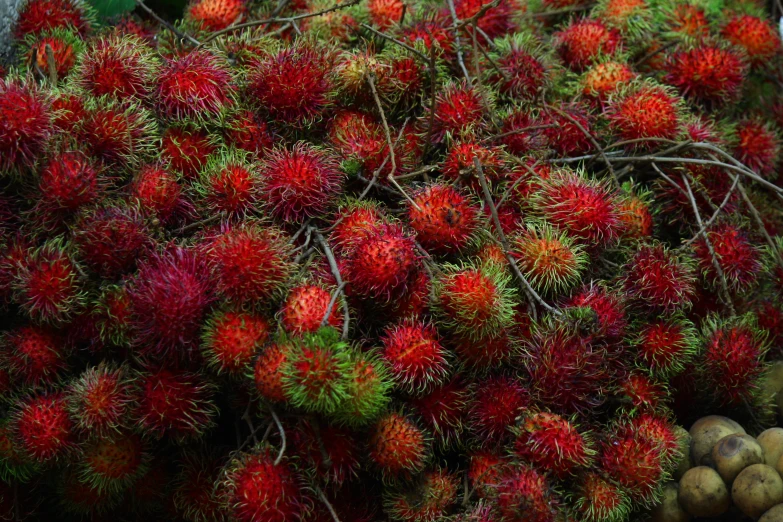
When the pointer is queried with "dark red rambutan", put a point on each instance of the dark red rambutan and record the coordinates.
(552, 443)
(562, 130)
(585, 208)
(485, 471)
(258, 487)
(758, 146)
(15, 464)
(414, 301)
(171, 294)
(458, 110)
(229, 184)
(707, 73)
(68, 111)
(397, 447)
(119, 133)
(549, 259)
(597, 499)
(460, 168)
(84, 499)
(495, 404)
(65, 48)
(497, 21)
(214, 15)
(524, 495)
(665, 346)
(658, 279)
(194, 494)
(442, 411)
(385, 13)
(405, 80)
(99, 401)
(636, 463)
(582, 42)
(37, 16)
(33, 355)
(520, 134)
(649, 111)
(443, 218)
(197, 85)
(756, 36)
(49, 286)
(305, 308)
(658, 428)
(710, 186)
(250, 263)
(380, 263)
(117, 66)
(25, 124)
(603, 79)
(475, 301)
(42, 426)
(428, 499)
(521, 72)
(416, 358)
(769, 316)
(113, 463)
(156, 192)
(111, 239)
(174, 403)
(186, 150)
(354, 222)
(733, 358)
(484, 353)
(268, 374)
(330, 452)
(739, 259)
(130, 25)
(607, 306)
(567, 370)
(293, 85)
(248, 132)
(232, 338)
(69, 180)
(300, 183)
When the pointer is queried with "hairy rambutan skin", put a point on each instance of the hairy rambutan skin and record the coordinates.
(15, 465)
(758, 146)
(549, 259)
(475, 301)
(195, 86)
(246, 131)
(99, 400)
(268, 371)
(494, 407)
(659, 280)
(156, 192)
(119, 133)
(519, 134)
(171, 294)
(708, 73)
(458, 110)
(66, 47)
(397, 447)
(604, 79)
(118, 66)
(250, 263)
(293, 85)
(49, 286)
(553, 443)
(33, 355)
(636, 463)
(42, 426)
(214, 15)
(69, 180)
(650, 111)
(25, 124)
(597, 499)
(740, 260)
(524, 494)
(562, 133)
(84, 499)
(443, 218)
(330, 452)
(666, 346)
(194, 494)
(37, 16)
(354, 221)
(582, 42)
(522, 71)
(177, 404)
(230, 184)
(300, 183)
(186, 150)
(756, 36)
(369, 386)
(305, 308)
(232, 338)
(113, 463)
(497, 20)
(259, 487)
(608, 308)
(416, 358)
(442, 411)
(427, 502)
(459, 165)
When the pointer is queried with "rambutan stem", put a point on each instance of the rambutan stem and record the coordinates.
(281, 431)
(327, 504)
(716, 213)
(336, 273)
(504, 244)
(457, 40)
(51, 64)
(164, 23)
(337, 291)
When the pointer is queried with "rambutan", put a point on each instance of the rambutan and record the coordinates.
(111, 239)
(84, 499)
(113, 463)
(331, 452)
(597, 499)
(641, 392)
(758, 146)
(608, 307)
(355, 221)
(520, 134)
(658, 428)
(649, 111)
(562, 130)
(15, 465)
(248, 132)
(494, 407)
(636, 213)
(232, 338)
(268, 371)
(397, 446)
(665, 346)
(688, 20)
(475, 301)
(33, 355)
(361, 142)
(186, 150)
(402, 86)
(521, 72)
(65, 47)
(603, 79)
(119, 133)
(197, 85)
(428, 500)
(496, 22)
(524, 494)
(229, 184)
(69, 180)
(37, 16)
(293, 85)
(300, 183)
(443, 218)
(117, 66)
(458, 110)
(733, 358)
(194, 494)
(214, 15)
(549, 259)
(250, 263)
(631, 17)
(416, 358)
(49, 286)
(25, 124)
(368, 388)
(756, 36)
(42, 426)
(99, 401)
(740, 260)
(485, 471)
(305, 308)
(658, 279)
(68, 111)
(171, 294)
(381, 262)
(156, 192)
(432, 33)
(582, 42)
(174, 403)
(707, 73)
(442, 411)
(385, 13)
(484, 353)
(459, 165)
(636, 463)
(552, 443)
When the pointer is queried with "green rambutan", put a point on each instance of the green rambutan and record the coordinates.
(33, 355)
(397, 446)
(665, 346)
(443, 218)
(118, 66)
(214, 15)
(495, 404)
(99, 400)
(113, 463)
(552, 443)
(84, 499)
(427, 500)
(582, 42)
(707, 73)
(636, 213)
(415, 356)
(232, 338)
(25, 124)
(229, 184)
(755, 35)
(368, 390)
(268, 371)
(42, 426)
(658, 279)
(549, 259)
(597, 499)
(15, 465)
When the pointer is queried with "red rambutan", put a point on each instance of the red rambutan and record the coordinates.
(521, 71)
(428, 500)
(214, 15)
(608, 307)
(65, 48)
(707, 73)
(665, 346)
(549, 259)
(603, 79)
(117, 66)
(484, 353)
(497, 20)
(519, 134)
(305, 308)
(443, 218)
(397, 446)
(562, 131)
(758, 146)
(524, 495)
(385, 13)
(331, 452)
(99, 401)
(739, 259)
(186, 150)
(229, 184)
(494, 407)
(156, 192)
(32, 355)
(380, 263)
(25, 124)
(756, 36)
(442, 411)
(194, 494)
(658, 279)
(660, 429)
(689, 20)
(552, 443)
(119, 133)
(68, 111)
(416, 358)
(113, 463)
(582, 42)
(459, 165)
(636, 463)
(356, 221)
(69, 180)
(248, 132)
(37, 16)
(268, 374)
(231, 340)
(458, 110)
(649, 111)
(642, 392)
(43, 427)
(485, 471)
(597, 499)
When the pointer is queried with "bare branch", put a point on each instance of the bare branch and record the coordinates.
(335, 294)
(281, 431)
(457, 40)
(51, 64)
(327, 504)
(164, 23)
(336, 273)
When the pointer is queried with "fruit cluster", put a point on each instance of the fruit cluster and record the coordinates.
(372, 260)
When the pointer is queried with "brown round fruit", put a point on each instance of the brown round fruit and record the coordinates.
(703, 493)
(771, 441)
(733, 453)
(670, 510)
(775, 514)
(756, 489)
(706, 432)
(684, 463)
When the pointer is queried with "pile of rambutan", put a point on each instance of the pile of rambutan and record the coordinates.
(365, 260)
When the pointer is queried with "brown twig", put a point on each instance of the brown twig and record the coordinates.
(52, 65)
(479, 14)
(335, 294)
(652, 53)
(326, 503)
(164, 23)
(280, 430)
(394, 40)
(715, 213)
(338, 278)
(457, 40)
